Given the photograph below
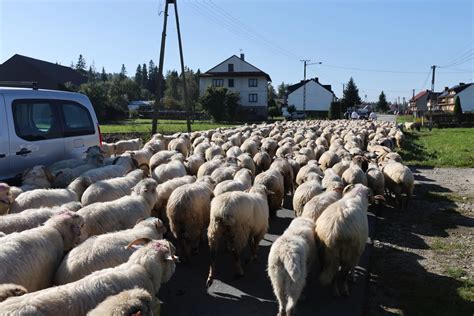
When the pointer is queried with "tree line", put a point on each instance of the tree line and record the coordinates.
(110, 93)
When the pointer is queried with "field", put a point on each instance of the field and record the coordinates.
(450, 147)
(164, 126)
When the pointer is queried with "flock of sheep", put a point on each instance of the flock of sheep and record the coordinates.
(86, 236)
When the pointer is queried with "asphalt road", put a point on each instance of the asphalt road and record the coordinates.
(386, 117)
(186, 294)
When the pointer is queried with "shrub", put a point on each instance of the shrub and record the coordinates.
(220, 103)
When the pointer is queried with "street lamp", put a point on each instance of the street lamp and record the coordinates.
(305, 62)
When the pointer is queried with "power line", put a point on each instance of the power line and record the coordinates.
(459, 51)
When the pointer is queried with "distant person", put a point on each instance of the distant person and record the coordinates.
(372, 116)
(354, 115)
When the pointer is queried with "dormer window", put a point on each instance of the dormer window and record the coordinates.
(230, 67)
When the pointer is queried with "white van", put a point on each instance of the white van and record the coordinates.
(39, 127)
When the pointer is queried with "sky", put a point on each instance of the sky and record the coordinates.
(386, 45)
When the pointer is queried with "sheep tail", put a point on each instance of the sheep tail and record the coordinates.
(292, 264)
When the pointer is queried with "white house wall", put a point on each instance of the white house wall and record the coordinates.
(241, 86)
(317, 98)
(467, 98)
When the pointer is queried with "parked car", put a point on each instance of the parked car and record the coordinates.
(297, 115)
(39, 127)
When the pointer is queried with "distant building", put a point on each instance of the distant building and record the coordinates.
(463, 91)
(424, 101)
(47, 75)
(241, 77)
(318, 96)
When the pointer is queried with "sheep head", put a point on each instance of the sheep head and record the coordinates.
(6, 198)
(70, 225)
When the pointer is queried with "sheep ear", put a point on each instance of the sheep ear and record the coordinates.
(270, 192)
(160, 228)
(140, 241)
(48, 174)
(348, 188)
(139, 220)
(26, 172)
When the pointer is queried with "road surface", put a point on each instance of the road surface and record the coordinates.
(386, 117)
(186, 294)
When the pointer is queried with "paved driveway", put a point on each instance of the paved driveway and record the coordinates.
(186, 293)
(386, 117)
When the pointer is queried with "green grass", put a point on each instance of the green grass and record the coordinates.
(164, 126)
(451, 147)
(405, 118)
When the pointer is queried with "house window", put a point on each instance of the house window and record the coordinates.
(217, 82)
(230, 67)
(230, 83)
(253, 97)
(253, 82)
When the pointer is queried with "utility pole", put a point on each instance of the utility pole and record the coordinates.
(160, 69)
(186, 103)
(433, 77)
(305, 62)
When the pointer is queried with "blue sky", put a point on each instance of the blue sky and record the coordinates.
(380, 36)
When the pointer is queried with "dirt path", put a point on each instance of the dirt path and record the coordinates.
(422, 261)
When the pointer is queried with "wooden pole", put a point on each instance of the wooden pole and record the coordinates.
(183, 74)
(159, 80)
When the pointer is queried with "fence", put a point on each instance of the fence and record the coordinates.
(452, 120)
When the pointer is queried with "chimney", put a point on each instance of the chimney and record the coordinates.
(446, 88)
(242, 56)
(316, 79)
(461, 83)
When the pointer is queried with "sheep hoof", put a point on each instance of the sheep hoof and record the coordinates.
(209, 282)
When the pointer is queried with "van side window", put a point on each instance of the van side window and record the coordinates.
(36, 120)
(77, 119)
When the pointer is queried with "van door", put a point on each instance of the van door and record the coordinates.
(4, 142)
(37, 137)
(78, 127)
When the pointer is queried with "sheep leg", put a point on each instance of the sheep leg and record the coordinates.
(212, 268)
(239, 271)
(281, 297)
(344, 276)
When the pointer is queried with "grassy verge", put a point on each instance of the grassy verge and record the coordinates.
(164, 126)
(453, 147)
(404, 118)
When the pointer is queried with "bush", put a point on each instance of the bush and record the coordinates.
(335, 110)
(457, 107)
(273, 111)
(291, 108)
(220, 103)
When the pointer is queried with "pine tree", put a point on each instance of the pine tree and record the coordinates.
(382, 105)
(91, 75)
(103, 75)
(123, 72)
(282, 90)
(138, 76)
(351, 96)
(144, 82)
(81, 65)
(457, 106)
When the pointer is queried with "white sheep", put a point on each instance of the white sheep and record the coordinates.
(164, 156)
(314, 207)
(342, 231)
(105, 251)
(120, 214)
(328, 159)
(375, 179)
(8, 290)
(94, 155)
(304, 193)
(180, 145)
(273, 180)
(208, 167)
(354, 174)
(147, 268)
(399, 180)
(30, 258)
(237, 218)
(188, 211)
(131, 144)
(37, 177)
(108, 148)
(120, 167)
(50, 197)
(111, 189)
(262, 161)
(32, 218)
(129, 302)
(168, 171)
(330, 176)
(241, 182)
(285, 168)
(193, 162)
(289, 263)
(225, 172)
(164, 191)
(312, 166)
